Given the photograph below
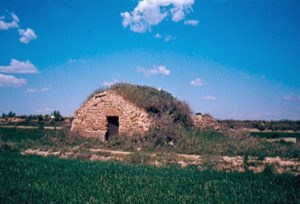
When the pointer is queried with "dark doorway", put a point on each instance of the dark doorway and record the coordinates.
(112, 126)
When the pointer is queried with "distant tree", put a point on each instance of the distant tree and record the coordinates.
(11, 114)
(40, 117)
(22, 116)
(46, 117)
(3, 115)
(57, 115)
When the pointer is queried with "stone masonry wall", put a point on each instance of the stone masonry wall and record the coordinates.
(91, 118)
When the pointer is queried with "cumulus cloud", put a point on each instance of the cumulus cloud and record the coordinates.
(191, 22)
(154, 71)
(26, 35)
(197, 82)
(149, 13)
(19, 67)
(14, 23)
(36, 90)
(11, 81)
(209, 98)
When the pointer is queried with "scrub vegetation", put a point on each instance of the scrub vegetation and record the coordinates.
(192, 142)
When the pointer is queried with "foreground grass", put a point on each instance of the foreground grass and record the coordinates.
(34, 179)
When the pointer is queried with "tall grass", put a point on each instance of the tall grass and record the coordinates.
(176, 140)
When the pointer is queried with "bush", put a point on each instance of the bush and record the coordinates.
(57, 116)
(158, 103)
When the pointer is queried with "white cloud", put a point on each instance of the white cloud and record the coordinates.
(288, 98)
(177, 14)
(168, 38)
(291, 97)
(11, 81)
(109, 83)
(197, 82)
(7, 25)
(19, 67)
(151, 12)
(112, 82)
(191, 22)
(154, 71)
(209, 98)
(157, 36)
(26, 35)
(36, 90)
(76, 61)
(72, 61)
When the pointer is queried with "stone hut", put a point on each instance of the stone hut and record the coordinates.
(107, 114)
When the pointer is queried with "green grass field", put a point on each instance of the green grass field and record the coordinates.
(34, 179)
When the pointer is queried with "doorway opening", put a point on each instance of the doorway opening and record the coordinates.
(112, 127)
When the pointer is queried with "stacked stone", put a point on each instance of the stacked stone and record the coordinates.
(91, 118)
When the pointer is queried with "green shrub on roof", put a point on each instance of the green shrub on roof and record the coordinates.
(159, 104)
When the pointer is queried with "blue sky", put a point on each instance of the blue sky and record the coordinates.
(233, 59)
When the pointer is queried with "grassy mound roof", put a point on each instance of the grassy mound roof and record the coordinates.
(158, 103)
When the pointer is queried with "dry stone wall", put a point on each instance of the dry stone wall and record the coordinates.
(91, 118)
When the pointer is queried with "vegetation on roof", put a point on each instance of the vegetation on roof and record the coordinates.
(158, 103)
